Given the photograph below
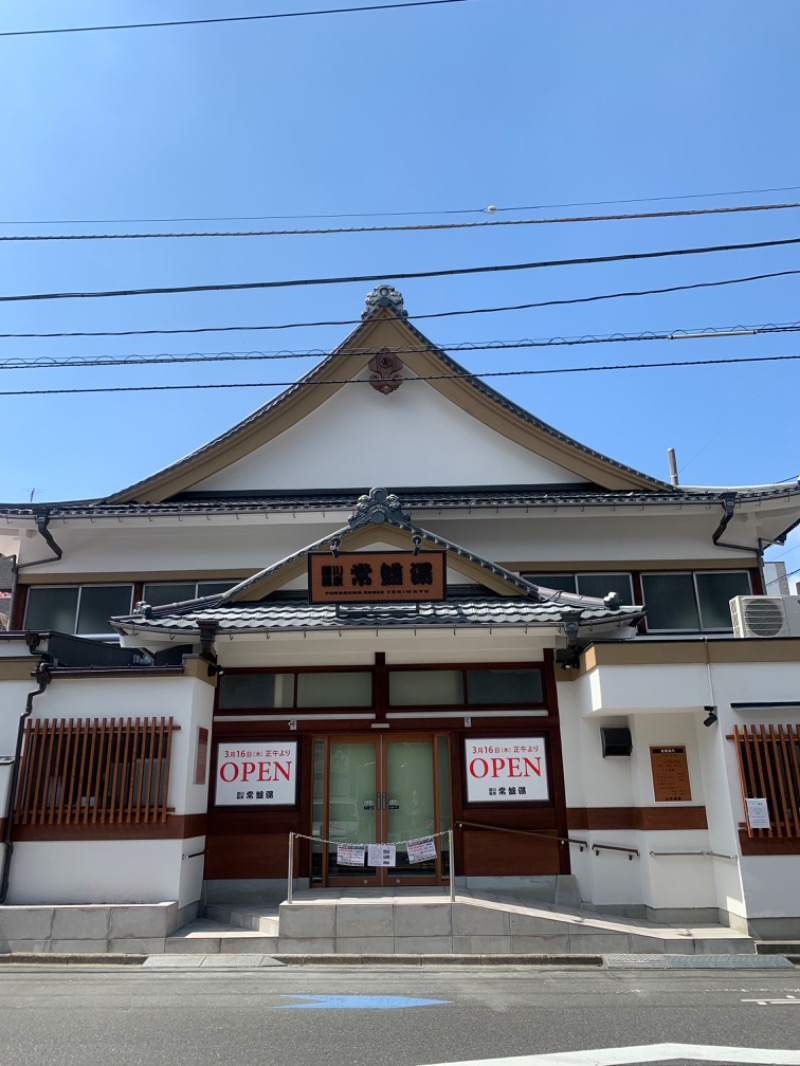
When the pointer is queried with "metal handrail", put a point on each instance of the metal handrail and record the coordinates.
(616, 847)
(525, 832)
(561, 840)
(710, 854)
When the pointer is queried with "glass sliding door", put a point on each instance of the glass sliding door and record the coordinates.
(379, 790)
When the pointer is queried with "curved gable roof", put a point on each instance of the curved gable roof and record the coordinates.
(385, 325)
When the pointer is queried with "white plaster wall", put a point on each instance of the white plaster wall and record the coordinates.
(539, 537)
(113, 871)
(191, 875)
(360, 437)
(120, 870)
(358, 648)
(664, 705)
(639, 689)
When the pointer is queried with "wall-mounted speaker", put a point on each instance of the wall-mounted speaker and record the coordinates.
(616, 742)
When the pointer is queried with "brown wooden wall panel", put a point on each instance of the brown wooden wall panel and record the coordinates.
(583, 818)
(492, 854)
(174, 827)
(248, 855)
(752, 845)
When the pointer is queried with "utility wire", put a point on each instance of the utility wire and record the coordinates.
(392, 214)
(450, 272)
(419, 227)
(415, 318)
(466, 376)
(167, 359)
(235, 18)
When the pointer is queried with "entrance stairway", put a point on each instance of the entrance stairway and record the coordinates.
(426, 922)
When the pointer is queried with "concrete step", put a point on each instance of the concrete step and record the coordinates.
(259, 918)
(207, 937)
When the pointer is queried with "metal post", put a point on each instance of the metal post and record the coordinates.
(452, 867)
(291, 868)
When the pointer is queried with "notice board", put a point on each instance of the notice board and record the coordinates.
(670, 774)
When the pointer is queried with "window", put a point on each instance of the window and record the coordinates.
(159, 595)
(692, 601)
(239, 692)
(590, 584)
(104, 772)
(487, 687)
(83, 609)
(418, 688)
(563, 582)
(498, 687)
(255, 691)
(348, 688)
(769, 770)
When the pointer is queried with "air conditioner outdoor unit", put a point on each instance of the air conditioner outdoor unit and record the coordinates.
(766, 616)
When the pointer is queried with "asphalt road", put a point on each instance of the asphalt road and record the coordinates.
(117, 1017)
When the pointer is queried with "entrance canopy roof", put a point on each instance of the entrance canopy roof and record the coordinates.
(491, 595)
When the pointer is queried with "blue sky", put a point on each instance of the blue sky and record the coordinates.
(507, 102)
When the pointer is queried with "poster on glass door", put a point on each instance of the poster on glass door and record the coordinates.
(256, 774)
(506, 770)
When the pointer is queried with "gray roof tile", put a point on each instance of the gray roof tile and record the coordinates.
(291, 615)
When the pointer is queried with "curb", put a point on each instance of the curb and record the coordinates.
(67, 959)
(251, 961)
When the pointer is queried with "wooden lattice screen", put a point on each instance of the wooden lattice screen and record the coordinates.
(769, 768)
(94, 771)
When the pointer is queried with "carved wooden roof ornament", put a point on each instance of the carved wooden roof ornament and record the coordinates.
(385, 370)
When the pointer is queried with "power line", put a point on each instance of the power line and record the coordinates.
(386, 276)
(419, 227)
(236, 18)
(167, 359)
(393, 214)
(432, 377)
(415, 318)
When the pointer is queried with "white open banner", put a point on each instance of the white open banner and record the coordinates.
(257, 774)
(506, 770)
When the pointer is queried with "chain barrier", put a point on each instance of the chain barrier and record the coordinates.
(382, 844)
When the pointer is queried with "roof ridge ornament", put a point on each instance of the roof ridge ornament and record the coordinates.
(384, 296)
(376, 506)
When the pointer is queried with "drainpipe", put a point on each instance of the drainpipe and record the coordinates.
(729, 504)
(43, 678)
(42, 522)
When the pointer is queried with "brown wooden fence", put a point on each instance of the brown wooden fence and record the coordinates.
(94, 771)
(769, 768)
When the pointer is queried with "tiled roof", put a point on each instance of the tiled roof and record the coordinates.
(414, 499)
(291, 615)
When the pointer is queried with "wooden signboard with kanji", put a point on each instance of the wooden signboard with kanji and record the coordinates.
(670, 774)
(370, 577)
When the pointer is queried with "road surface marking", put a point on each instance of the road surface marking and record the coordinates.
(358, 1003)
(633, 1056)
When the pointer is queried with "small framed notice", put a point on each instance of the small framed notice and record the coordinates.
(350, 854)
(421, 850)
(670, 774)
(758, 814)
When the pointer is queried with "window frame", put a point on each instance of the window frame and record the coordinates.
(76, 619)
(644, 574)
